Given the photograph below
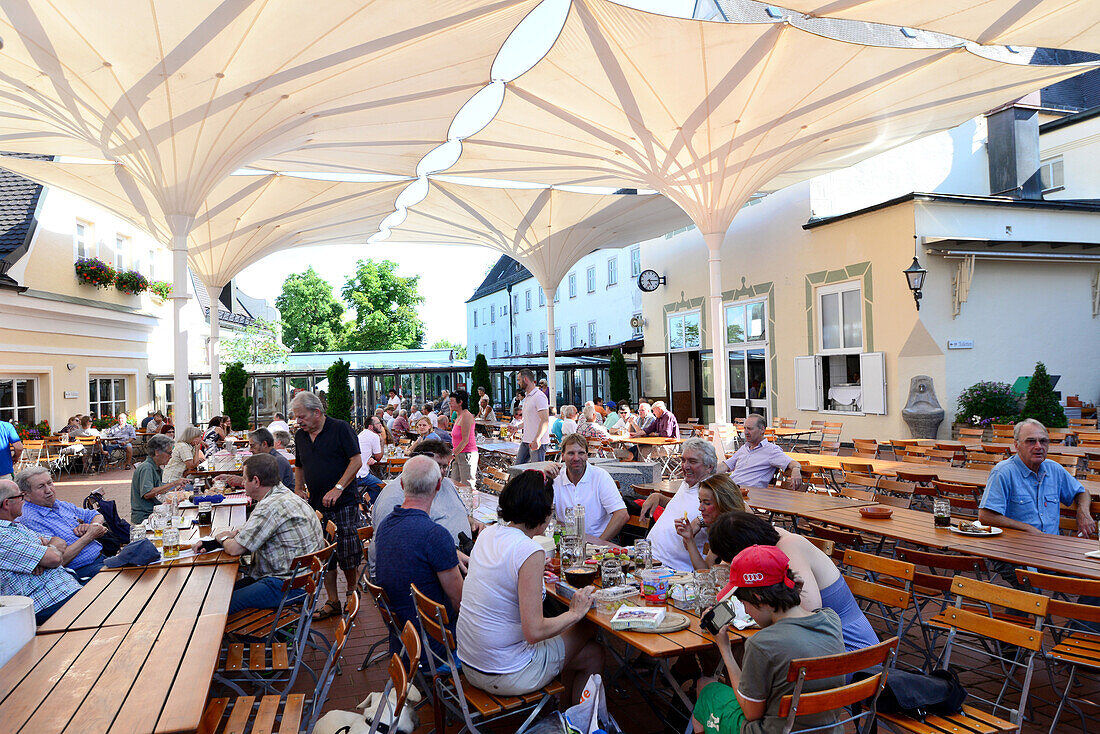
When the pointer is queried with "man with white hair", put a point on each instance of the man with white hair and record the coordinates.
(121, 436)
(30, 565)
(412, 549)
(699, 461)
(326, 460)
(754, 464)
(53, 518)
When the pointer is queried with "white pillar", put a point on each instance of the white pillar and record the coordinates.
(181, 385)
(717, 337)
(551, 350)
(215, 355)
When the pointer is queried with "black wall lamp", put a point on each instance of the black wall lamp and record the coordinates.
(914, 276)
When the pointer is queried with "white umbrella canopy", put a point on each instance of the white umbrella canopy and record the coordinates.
(1073, 24)
(245, 218)
(547, 230)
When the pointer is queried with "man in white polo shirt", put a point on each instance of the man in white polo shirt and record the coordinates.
(699, 461)
(536, 420)
(581, 484)
(756, 461)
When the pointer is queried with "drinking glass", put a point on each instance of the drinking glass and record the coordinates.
(941, 512)
(706, 590)
(569, 524)
(611, 573)
(171, 543)
(572, 552)
(137, 532)
(643, 554)
(206, 513)
(159, 522)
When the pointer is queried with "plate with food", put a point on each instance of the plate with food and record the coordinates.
(975, 529)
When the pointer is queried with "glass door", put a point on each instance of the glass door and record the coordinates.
(746, 339)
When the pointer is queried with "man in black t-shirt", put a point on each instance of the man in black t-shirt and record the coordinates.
(326, 460)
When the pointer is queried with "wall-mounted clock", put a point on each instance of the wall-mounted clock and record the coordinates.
(648, 280)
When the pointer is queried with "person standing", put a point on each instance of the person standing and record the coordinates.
(11, 448)
(535, 421)
(326, 461)
(464, 441)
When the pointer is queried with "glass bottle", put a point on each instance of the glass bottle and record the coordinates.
(578, 515)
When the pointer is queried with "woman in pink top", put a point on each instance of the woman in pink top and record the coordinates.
(464, 466)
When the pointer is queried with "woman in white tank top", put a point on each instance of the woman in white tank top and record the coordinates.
(505, 643)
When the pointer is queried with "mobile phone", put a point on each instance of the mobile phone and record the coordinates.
(718, 616)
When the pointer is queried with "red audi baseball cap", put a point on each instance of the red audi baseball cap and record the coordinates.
(758, 565)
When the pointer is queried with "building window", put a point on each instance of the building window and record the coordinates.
(475, 318)
(122, 251)
(612, 271)
(572, 285)
(515, 346)
(574, 336)
(84, 240)
(635, 262)
(542, 341)
(591, 333)
(590, 276)
(151, 265)
(515, 303)
(636, 324)
(840, 318)
(542, 297)
(494, 350)
(530, 343)
(557, 338)
(1052, 174)
(745, 322)
(493, 315)
(527, 299)
(557, 294)
(19, 400)
(106, 396)
(684, 331)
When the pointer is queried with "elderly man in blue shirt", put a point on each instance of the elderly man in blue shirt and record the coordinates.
(53, 518)
(1025, 492)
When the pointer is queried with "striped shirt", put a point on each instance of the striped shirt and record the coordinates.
(59, 521)
(281, 527)
(21, 550)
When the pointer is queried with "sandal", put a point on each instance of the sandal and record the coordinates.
(330, 609)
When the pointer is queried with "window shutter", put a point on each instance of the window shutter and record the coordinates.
(872, 379)
(806, 389)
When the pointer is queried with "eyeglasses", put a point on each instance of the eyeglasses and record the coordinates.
(19, 496)
(1034, 441)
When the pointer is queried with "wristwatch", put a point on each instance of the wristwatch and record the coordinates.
(339, 486)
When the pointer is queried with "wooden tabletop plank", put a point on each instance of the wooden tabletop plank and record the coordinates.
(144, 584)
(909, 525)
(37, 666)
(1061, 553)
(193, 593)
(164, 598)
(183, 708)
(220, 591)
(55, 705)
(156, 678)
(63, 618)
(790, 502)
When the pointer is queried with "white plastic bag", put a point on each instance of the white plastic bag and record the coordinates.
(586, 716)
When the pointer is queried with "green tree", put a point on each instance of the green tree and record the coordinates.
(340, 400)
(385, 308)
(1041, 403)
(312, 317)
(459, 350)
(257, 344)
(235, 403)
(620, 383)
(479, 377)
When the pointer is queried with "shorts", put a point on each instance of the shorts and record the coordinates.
(349, 549)
(464, 469)
(545, 666)
(525, 455)
(718, 710)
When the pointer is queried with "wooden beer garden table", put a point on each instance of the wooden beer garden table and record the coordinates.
(146, 676)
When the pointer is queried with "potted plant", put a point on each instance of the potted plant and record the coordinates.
(985, 403)
(132, 282)
(93, 271)
(161, 288)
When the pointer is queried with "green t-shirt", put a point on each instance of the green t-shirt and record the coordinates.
(769, 653)
(146, 476)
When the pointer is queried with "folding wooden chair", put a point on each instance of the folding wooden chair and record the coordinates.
(865, 448)
(895, 492)
(452, 694)
(973, 433)
(857, 466)
(842, 699)
(842, 539)
(883, 589)
(401, 677)
(828, 447)
(252, 625)
(1068, 462)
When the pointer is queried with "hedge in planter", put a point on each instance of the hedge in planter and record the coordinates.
(95, 272)
(987, 403)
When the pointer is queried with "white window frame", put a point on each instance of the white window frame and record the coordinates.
(636, 330)
(590, 279)
(557, 337)
(530, 343)
(492, 314)
(515, 345)
(1052, 174)
(635, 262)
(123, 251)
(118, 405)
(612, 271)
(682, 317)
(527, 299)
(151, 266)
(11, 413)
(475, 318)
(542, 341)
(542, 298)
(591, 334)
(557, 294)
(515, 303)
(809, 389)
(839, 289)
(574, 335)
(85, 240)
(572, 285)
(494, 350)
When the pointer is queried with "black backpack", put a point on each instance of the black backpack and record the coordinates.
(938, 693)
(118, 530)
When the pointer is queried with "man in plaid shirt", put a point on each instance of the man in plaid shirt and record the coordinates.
(281, 527)
(30, 565)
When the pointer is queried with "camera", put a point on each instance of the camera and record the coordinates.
(718, 616)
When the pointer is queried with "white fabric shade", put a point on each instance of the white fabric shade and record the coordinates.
(1072, 24)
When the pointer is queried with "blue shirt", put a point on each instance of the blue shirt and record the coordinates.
(21, 549)
(411, 549)
(8, 436)
(555, 429)
(59, 521)
(1020, 494)
(286, 471)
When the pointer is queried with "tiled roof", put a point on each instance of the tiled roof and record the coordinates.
(18, 201)
(504, 273)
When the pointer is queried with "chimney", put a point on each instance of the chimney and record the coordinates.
(1013, 152)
